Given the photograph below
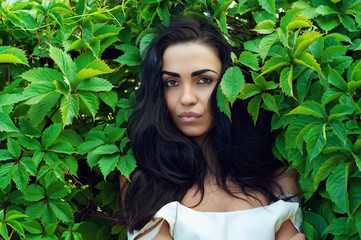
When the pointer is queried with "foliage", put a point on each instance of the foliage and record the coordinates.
(67, 74)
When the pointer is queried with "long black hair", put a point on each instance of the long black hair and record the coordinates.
(170, 163)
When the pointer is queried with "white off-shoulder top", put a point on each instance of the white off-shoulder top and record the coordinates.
(259, 223)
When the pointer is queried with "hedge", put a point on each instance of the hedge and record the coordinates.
(67, 76)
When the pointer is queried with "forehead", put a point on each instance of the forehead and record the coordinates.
(190, 56)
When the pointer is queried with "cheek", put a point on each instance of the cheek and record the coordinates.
(169, 101)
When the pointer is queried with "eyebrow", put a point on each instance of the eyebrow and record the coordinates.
(193, 74)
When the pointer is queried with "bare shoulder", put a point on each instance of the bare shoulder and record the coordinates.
(289, 232)
(163, 233)
(288, 181)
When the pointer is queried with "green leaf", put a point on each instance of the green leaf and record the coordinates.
(326, 168)
(130, 58)
(339, 37)
(354, 196)
(253, 107)
(250, 90)
(32, 227)
(330, 53)
(340, 130)
(336, 80)
(299, 22)
(105, 149)
(250, 60)
(29, 165)
(62, 210)
(14, 148)
(232, 83)
(109, 98)
(270, 102)
(352, 86)
(90, 101)
(56, 190)
(290, 15)
(38, 111)
(108, 163)
(5, 155)
(50, 228)
(286, 81)
(8, 99)
(308, 60)
(64, 62)
(12, 55)
(51, 134)
(13, 214)
(126, 165)
(337, 226)
(48, 215)
(42, 75)
(163, 12)
(336, 186)
(115, 135)
(328, 22)
(35, 210)
(303, 42)
(316, 220)
(58, 18)
(266, 44)
(4, 231)
(29, 143)
(357, 160)
(95, 84)
(348, 23)
(20, 177)
(94, 68)
(62, 87)
(340, 110)
(310, 231)
(222, 103)
(268, 5)
(6, 125)
(274, 64)
(5, 174)
(61, 147)
(89, 145)
(17, 227)
(69, 107)
(38, 91)
(265, 27)
(330, 95)
(315, 141)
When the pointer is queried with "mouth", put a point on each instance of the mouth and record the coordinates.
(189, 116)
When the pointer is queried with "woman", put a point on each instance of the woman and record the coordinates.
(200, 175)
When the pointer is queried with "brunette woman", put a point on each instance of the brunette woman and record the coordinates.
(201, 175)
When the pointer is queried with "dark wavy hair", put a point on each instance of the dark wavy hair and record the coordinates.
(169, 162)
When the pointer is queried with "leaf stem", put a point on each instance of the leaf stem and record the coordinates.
(11, 234)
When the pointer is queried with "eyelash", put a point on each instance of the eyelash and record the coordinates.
(207, 80)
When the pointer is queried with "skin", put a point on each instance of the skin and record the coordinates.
(190, 73)
(185, 91)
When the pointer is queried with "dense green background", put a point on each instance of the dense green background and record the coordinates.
(67, 71)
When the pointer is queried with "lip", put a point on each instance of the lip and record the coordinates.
(189, 116)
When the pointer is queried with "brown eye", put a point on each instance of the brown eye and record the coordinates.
(205, 80)
(171, 83)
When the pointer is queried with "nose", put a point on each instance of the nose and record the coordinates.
(189, 95)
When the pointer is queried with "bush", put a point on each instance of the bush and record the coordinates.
(68, 71)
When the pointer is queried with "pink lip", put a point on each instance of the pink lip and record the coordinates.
(189, 116)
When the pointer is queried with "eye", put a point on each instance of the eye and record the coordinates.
(205, 80)
(171, 83)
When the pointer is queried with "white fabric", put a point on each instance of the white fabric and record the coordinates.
(259, 223)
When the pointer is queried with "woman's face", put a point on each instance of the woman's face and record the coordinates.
(190, 72)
